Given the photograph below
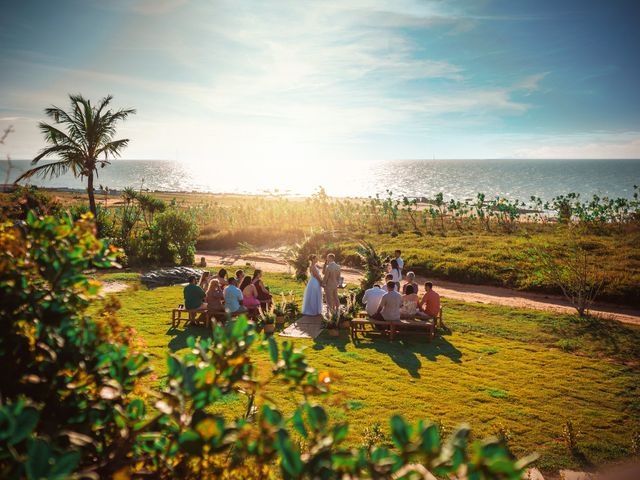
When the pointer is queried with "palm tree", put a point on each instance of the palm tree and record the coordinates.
(88, 136)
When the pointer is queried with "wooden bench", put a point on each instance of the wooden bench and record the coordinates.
(392, 328)
(195, 316)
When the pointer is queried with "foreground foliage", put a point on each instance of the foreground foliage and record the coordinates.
(71, 402)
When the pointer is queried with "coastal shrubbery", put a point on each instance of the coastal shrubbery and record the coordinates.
(72, 403)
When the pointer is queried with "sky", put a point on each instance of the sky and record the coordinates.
(239, 82)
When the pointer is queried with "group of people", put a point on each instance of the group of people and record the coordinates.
(393, 301)
(225, 294)
(396, 301)
(327, 278)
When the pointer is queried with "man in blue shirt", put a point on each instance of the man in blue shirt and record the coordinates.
(233, 298)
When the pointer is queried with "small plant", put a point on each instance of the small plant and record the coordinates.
(332, 323)
(291, 308)
(502, 432)
(570, 436)
(375, 436)
(372, 262)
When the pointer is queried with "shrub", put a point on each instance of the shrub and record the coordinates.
(31, 199)
(173, 235)
(70, 406)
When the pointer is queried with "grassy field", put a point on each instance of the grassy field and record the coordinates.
(509, 260)
(470, 255)
(522, 372)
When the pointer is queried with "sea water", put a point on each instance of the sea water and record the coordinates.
(460, 179)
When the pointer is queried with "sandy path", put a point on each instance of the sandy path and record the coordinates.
(272, 261)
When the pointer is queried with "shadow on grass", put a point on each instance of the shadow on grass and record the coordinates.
(405, 353)
(179, 336)
(325, 340)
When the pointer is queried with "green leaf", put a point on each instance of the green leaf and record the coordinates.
(65, 464)
(298, 423)
(273, 350)
(399, 431)
(38, 457)
(340, 432)
(239, 327)
(289, 457)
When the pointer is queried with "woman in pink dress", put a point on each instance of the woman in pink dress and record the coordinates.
(249, 293)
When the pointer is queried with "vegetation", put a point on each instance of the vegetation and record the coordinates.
(73, 405)
(501, 369)
(89, 135)
(576, 274)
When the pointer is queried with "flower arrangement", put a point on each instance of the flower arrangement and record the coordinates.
(267, 320)
(291, 308)
(332, 323)
(280, 311)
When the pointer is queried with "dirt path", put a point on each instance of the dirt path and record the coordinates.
(272, 261)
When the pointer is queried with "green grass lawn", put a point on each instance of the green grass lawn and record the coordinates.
(507, 260)
(522, 371)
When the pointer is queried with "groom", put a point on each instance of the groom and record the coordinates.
(330, 281)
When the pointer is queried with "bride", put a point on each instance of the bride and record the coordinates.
(312, 301)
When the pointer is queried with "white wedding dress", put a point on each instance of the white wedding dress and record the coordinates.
(312, 300)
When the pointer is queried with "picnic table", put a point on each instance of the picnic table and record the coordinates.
(391, 328)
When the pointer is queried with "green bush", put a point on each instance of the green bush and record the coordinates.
(30, 199)
(71, 405)
(174, 235)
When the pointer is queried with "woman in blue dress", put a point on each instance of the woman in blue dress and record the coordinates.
(312, 301)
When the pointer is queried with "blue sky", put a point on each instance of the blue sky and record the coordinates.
(340, 80)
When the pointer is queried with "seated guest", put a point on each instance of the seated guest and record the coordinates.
(263, 292)
(395, 272)
(430, 303)
(240, 277)
(233, 298)
(371, 299)
(215, 298)
(411, 280)
(203, 262)
(390, 304)
(249, 293)
(193, 295)
(222, 278)
(409, 303)
(205, 278)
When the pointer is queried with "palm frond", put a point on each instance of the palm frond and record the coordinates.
(112, 148)
(51, 170)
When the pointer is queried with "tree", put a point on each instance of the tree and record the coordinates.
(78, 139)
(576, 273)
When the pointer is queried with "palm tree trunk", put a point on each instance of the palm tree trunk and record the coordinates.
(92, 199)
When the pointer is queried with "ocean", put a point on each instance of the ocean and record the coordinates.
(459, 179)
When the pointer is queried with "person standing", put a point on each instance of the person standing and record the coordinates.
(312, 300)
(331, 281)
(396, 273)
(371, 299)
(400, 261)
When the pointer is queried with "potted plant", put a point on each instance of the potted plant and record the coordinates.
(268, 320)
(291, 308)
(279, 312)
(345, 321)
(331, 323)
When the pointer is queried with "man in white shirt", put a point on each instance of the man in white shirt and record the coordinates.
(400, 261)
(389, 308)
(371, 299)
